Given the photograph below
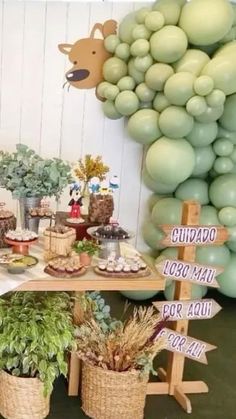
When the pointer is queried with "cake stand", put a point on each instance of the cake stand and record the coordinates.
(20, 247)
(108, 246)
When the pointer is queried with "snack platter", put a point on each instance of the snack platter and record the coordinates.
(140, 274)
(65, 267)
(110, 233)
(122, 267)
(20, 236)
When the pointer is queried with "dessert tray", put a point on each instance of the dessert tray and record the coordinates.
(65, 267)
(109, 232)
(20, 236)
(122, 267)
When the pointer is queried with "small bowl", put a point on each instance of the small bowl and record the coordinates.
(16, 268)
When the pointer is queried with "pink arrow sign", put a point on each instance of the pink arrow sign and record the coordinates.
(188, 310)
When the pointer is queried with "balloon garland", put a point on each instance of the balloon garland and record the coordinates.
(173, 75)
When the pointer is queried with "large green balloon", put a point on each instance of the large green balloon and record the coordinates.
(227, 216)
(213, 255)
(223, 191)
(227, 280)
(223, 165)
(160, 102)
(228, 120)
(223, 147)
(157, 186)
(223, 133)
(154, 198)
(168, 44)
(210, 114)
(232, 238)
(196, 189)
(223, 72)
(152, 235)
(126, 28)
(167, 211)
(193, 61)
(113, 69)
(216, 98)
(144, 93)
(141, 14)
(170, 9)
(138, 76)
(209, 215)
(204, 160)
(206, 21)
(143, 126)
(233, 155)
(202, 134)
(179, 88)
(197, 291)
(127, 102)
(139, 295)
(170, 161)
(175, 122)
(110, 110)
(157, 75)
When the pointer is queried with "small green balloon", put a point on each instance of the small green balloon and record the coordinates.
(110, 110)
(213, 255)
(223, 133)
(170, 9)
(143, 126)
(144, 93)
(113, 69)
(141, 14)
(233, 155)
(160, 102)
(167, 211)
(101, 88)
(143, 63)
(157, 75)
(138, 76)
(127, 102)
(222, 191)
(123, 51)
(111, 92)
(227, 216)
(228, 120)
(195, 189)
(140, 48)
(223, 72)
(227, 280)
(202, 134)
(232, 238)
(156, 186)
(168, 44)
(111, 42)
(210, 114)
(216, 98)
(204, 160)
(193, 61)
(197, 291)
(203, 85)
(154, 21)
(223, 147)
(153, 199)
(209, 215)
(139, 295)
(152, 235)
(126, 28)
(196, 106)
(141, 32)
(223, 165)
(179, 88)
(175, 122)
(126, 83)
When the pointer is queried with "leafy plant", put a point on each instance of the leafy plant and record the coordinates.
(89, 168)
(35, 331)
(86, 246)
(26, 174)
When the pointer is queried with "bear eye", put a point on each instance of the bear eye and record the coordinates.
(94, 52)
(75, 62)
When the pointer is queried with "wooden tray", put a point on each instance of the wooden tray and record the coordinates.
(57, 274)
(139, 274)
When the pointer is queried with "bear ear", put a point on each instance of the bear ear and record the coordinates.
(65, 48)
(97, 31)
(109, 28)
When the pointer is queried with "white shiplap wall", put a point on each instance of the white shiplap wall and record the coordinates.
(35, 110)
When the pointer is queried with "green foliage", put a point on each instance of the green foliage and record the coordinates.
(26, 174)
(86, 246)
(36, 330)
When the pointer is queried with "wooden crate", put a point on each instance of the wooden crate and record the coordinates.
(59, 243)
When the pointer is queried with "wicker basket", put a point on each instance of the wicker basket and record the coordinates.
(58, 243)
(112, 395)
(22, 398)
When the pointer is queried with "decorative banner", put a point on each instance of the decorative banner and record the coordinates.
(188, 310)
(193, 235)
(185, 345)
(189, 272)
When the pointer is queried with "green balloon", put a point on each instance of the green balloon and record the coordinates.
(204, 160)
(110, 110)
(222, 191)
(223, 165)
(111, 92)
(233, 155)
(160, 102)
(154, 198)
(143, 126)
(140, 48)
(126, 28)
(152, 235)
(168, 44)
(210, 114)
(145, 105)
(111, 42)
(170, 9)
(126, 83)
(127, 102)
(113, 69)
(138, 76)
(197, 292)
(167, 211)
(216, 98)
(123, 51)
(175, 122)
(209, 215)
(203, 85)
(223, 133)
(227, 216)
(157, 75)
(101, 88)
(213, 255)
(196, 106)
(170, 161)
(156, 186)
(202, 134)
(141, 14)
(144, 93)
(143, 63)
(179, 88)
(223, 72)
(196, 20)
(193, 61)
(139, 295)
(227, 280)
(141, 32)
(228, 120)
(154, 21)
(223, 147)
(232, 238)
(196, 189)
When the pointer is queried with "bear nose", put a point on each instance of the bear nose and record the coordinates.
(77, 75)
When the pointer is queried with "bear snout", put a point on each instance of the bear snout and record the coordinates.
(77, 75)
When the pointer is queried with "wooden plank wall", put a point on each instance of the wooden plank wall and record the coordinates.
(35, 110)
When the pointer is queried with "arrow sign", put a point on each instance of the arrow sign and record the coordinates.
(185, 345)
(193, 235)
(188, 310)
(180, 270)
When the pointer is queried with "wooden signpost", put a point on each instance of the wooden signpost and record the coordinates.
(186, 271)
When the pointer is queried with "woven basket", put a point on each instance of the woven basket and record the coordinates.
(22, 398)
(112, 395)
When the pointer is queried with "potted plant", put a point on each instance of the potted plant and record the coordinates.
(117, 361)
(86, 249)
(30, 178)
(36, 330)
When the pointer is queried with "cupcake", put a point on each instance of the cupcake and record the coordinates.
(102, 266)
(134, 268)
(126, 268)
